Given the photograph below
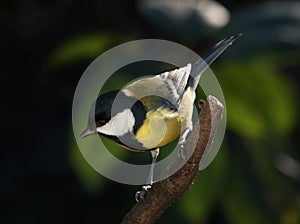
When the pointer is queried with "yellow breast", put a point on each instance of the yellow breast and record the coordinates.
(161, 127)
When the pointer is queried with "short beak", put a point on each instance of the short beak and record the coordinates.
(86, 133)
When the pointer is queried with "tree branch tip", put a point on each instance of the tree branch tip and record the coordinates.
(215, 102)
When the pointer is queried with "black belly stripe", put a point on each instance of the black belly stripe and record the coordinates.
(139, 112)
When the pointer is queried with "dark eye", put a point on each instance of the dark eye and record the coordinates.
(101, 122)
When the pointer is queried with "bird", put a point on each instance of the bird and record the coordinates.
(152, 111)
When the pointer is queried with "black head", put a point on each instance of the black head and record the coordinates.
(102, 111)
(110, 104)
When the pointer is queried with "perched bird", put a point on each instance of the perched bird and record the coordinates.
(153, 111)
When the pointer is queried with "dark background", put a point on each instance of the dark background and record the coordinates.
(45, 47)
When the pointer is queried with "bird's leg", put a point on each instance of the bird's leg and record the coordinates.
(181, 143)
(154, 154)
(141, 194)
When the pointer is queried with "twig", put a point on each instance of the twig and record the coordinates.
(164, 193)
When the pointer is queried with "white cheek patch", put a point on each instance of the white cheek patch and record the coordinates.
(119, 125)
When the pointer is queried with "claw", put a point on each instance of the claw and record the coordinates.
(140, 195)
(181, 152)
(182, 142)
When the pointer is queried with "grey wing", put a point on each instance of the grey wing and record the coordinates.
(176, 80)
(169, 85)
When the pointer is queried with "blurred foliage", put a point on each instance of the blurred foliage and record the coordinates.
(82, 47)
(266, 101)
(186, 19)
(270, 27)
(199, 202)
(255, 177)
(90, 178)
(261, 105)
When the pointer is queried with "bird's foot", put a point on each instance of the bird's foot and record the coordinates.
(181, 152)
(182, 142)
(140, 195)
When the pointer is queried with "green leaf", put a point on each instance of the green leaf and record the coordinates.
(75, 49)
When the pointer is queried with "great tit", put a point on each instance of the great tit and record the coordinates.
(153, 111)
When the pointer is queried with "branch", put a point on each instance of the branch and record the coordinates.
(164, 193)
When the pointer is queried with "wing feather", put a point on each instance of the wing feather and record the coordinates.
(168, 85)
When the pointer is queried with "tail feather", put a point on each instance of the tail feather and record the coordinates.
(202, 64)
